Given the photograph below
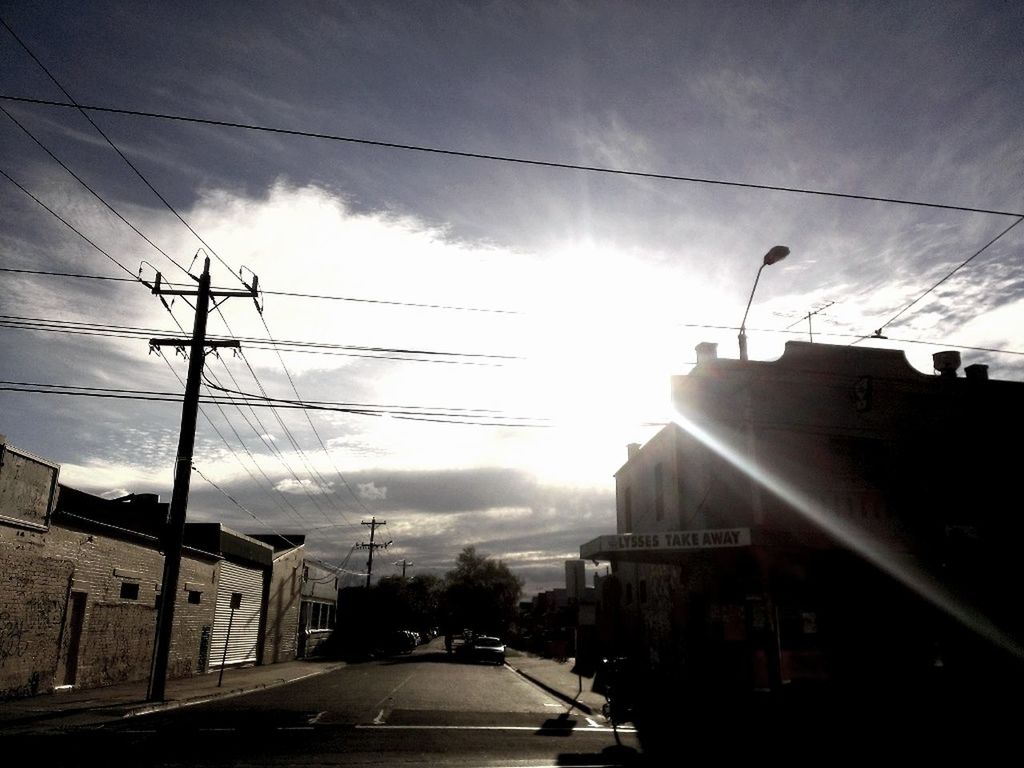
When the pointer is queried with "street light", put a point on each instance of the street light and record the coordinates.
(778, 253)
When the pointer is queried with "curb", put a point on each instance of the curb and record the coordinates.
(584, 708)
(149, 709)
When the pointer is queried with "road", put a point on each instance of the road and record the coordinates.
(421, 709)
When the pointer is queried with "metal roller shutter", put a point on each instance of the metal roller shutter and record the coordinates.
(245, 625)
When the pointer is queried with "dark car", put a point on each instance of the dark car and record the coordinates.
(486, 649)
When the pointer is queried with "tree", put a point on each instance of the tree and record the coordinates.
(480, 594)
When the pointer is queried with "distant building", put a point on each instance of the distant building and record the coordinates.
(319, 607)
(283, 597)
(805, 516)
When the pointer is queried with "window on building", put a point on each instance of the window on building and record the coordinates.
(320, 616)
(129, 590)
(659, 491)
(643, 591)
(195, 596)
(627, 510)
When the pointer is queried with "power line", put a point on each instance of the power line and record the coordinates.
(234, 453)
(408, 413)
(511, 159)
(106, 138)
(972, 257)
(952, 272)
(133, 332)
(325, 297)
(253, 515)
(92, 191)
(70, 226)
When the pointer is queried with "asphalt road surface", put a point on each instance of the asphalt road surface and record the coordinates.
(418, 710)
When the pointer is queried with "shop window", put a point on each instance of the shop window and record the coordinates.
(195, 596)
(129, 590)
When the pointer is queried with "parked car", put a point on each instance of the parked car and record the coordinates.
(486, 649)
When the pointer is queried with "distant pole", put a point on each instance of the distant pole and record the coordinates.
(174, 531)
(374, 524)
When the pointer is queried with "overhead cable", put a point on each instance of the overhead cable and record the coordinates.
(514, 160)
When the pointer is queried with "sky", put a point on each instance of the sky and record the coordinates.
(504, 329)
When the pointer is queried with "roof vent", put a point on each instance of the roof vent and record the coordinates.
(946, 363)
(976, 372)
(706, 351)
(632, 450)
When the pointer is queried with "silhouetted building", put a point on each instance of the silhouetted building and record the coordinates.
(834, 516)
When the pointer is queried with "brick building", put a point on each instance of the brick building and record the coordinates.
(79, 577)
(833, 518)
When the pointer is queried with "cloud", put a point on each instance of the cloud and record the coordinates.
(371, 492)
(307, 486)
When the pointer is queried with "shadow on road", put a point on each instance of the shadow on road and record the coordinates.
(562, 725)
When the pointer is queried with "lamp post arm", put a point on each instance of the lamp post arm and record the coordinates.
(743, 325)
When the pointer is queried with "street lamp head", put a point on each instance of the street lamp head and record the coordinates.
(778, 253)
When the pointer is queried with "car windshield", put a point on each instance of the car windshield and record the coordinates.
(488, 642)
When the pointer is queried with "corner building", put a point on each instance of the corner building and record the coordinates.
(832, 521)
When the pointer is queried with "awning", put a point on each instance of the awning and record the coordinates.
(663, 545)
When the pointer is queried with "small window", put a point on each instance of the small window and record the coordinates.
(129, 590)
(643, 591)
(195, 596)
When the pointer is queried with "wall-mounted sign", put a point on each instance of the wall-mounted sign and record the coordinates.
(620, 545)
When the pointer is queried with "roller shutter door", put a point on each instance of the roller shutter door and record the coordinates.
(237, 580)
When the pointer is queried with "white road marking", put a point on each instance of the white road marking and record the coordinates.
(592, 723)
(599, 729)
(549, 704)
(212, 730)
(316, 718)
(295, 728)
(379, 719)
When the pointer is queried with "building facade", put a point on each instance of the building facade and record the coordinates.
(319, 611)
(832, 518)
(79, 580)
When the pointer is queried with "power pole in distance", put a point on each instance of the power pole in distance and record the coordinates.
(174, 531)
(374, 524)
(403, 562)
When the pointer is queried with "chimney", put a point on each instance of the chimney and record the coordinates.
(976, 372)
(632, 450)
(946, 364)
(706, 351)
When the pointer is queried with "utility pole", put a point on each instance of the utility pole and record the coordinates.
(174, 530)
(810, 330)
(374, 524)
(403, 562)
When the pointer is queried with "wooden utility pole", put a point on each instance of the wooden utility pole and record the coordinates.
(174, 531)
(403, 562)
(374, 524)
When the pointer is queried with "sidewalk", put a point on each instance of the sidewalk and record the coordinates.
(94, 706)
(558, 679)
